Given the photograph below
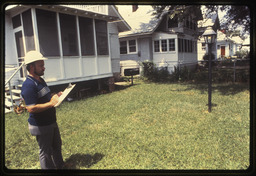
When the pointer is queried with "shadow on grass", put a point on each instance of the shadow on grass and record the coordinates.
(224, 89)
(76, 161)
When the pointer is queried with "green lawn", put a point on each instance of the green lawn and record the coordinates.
(145, 126)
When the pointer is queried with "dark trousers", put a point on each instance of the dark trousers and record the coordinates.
(49, 142)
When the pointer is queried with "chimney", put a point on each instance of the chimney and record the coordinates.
(134, 8)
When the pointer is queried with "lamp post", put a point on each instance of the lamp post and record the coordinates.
(209, 37)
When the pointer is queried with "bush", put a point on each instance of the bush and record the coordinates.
(152, 73)
(206, 58)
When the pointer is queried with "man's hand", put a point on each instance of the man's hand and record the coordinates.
(54, 100)
(59, 94)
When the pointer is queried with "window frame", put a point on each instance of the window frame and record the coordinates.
(128, 46)
(168, 43)
(123, 46)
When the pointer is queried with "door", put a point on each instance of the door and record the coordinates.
(222, 51)
(20, 51)
(24, 37)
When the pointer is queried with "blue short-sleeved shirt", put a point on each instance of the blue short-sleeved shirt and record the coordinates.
(36, 92)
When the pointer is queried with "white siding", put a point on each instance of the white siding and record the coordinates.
(165, 59)
(114, 47)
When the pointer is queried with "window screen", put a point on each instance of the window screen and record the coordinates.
(16, 22)
(19, 44)
(68, 35)
(47, 32)
(28, 30)
(86, 36)
(101, 37)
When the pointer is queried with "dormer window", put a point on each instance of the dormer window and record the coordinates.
(172, 23)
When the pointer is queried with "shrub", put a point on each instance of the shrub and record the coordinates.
(152, 73)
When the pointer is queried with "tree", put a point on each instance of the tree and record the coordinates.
(180, 11)
(235, 16)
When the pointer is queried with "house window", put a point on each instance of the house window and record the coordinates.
(186, 45)
(28, 30)
(195, 46)
(164, 45)
(47, 32)
(86, 36)
(101, 37)
(171, 44)
(68, 35)
(132, 46)
(203, 46)
(173, 22)
(123, 47)
(156, 46)
(16, 22)
(190, 46)
(181, 44)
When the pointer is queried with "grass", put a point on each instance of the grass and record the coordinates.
(145, 126)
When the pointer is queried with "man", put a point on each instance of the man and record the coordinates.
(42, 114)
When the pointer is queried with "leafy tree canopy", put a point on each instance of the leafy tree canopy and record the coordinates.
(235, 16)
(181, 11)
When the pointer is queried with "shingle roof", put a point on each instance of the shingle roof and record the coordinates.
(142, 21)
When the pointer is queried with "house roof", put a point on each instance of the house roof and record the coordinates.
(121, 24)
(142, 21)
(106, 12)
(222, 36)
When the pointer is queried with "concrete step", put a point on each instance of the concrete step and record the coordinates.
(16, 91)
(14, 97)
(8, 103)
(7, 110)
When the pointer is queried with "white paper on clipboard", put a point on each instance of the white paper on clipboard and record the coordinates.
(64, 94)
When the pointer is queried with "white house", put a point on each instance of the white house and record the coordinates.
(210, 20)
(80, 41)
(227, 46)
(163, 40)
(224, 47)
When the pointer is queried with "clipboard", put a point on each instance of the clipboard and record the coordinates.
(65, 94)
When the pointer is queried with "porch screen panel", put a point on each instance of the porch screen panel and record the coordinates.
(20, 49)
(19, 44)
(16, 22)
(101, 37)
(69, 35)
(47, 32)
(86, 36)
(28, 30)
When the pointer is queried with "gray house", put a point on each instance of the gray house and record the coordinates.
(165, 41)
